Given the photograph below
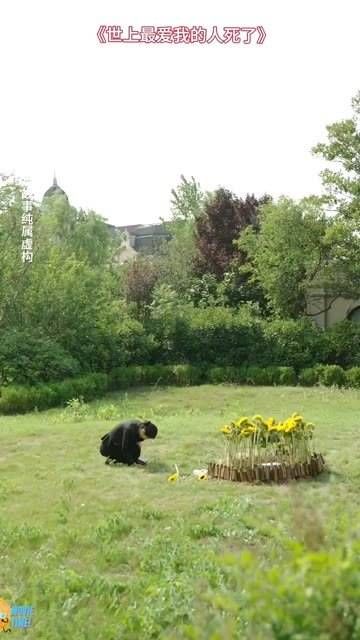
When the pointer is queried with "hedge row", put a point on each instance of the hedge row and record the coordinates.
(189, 336)
(185, 374)
(21, 399)
(224, 338)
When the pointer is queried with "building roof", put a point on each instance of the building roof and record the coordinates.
(145, 229)
(143, 238)
(55, 190)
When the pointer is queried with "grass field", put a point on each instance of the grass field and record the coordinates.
(119, 553)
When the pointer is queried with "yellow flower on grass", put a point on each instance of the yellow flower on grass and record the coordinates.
(270, 423)
(290, 428)
(226, 429)
(248, 431)
(241, 421)
(175, 476)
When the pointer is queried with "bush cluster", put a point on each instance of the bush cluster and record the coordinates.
(27, 358)
(23, 398)
(220, 336)
(20, 399)
(308, 594)
(225, 337)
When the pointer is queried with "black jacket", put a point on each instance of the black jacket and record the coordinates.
(121, 443)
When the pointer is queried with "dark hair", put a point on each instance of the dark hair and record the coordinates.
(150, 430)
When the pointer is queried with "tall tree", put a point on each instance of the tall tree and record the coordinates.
(298, 247)
(14, 274)
(84, 234)
(342, 151)
(140, 278)
(175, 263)
(187, 199)
(69, 293)
(223, 219)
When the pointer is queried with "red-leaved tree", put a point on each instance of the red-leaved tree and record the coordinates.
(223, 218)
(140, 278)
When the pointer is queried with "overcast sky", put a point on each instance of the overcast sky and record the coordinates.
(120, 122)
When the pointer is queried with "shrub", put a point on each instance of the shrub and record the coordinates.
(20, 399)
(107, 412)
(29, 358)
(17, 400)
(309, 594)
(287, 376)
(135, 344)
(352, 377)
(186, 374)
(23, 399)
(252, 375)
(183, 336)
(258, 376)
(331, 375)
(218, 375)
(293, 343)
(156, 374)
(216, 335)
(308, 377)
(225, 337)
(43, 397)
(124, 377)
(240, 374)
(76, 410)
(234, 375)
(283, 376)
(342, 344)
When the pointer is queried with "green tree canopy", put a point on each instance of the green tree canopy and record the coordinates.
(342, 151)
(299, 247)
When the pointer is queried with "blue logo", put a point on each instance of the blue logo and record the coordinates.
(15, 616)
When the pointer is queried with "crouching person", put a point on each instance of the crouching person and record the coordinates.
(123, 443)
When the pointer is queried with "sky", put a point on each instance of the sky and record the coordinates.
(120, 122)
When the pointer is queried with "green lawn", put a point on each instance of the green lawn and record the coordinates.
(115, 552)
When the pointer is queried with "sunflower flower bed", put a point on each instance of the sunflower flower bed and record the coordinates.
(258, 450)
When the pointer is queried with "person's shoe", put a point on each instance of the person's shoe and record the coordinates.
(143, 463)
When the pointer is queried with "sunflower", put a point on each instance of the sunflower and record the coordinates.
(226, 429)
(248, 431)
(289, 428)
(270, 423)
(290, 424)
(241, 421)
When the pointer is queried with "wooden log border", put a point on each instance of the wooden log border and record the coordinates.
(277, 473)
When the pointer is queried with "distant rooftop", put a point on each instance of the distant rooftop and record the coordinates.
(55, 189)
(144, 238)
(157, 229)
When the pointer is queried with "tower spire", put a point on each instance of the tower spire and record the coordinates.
(55, 189)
